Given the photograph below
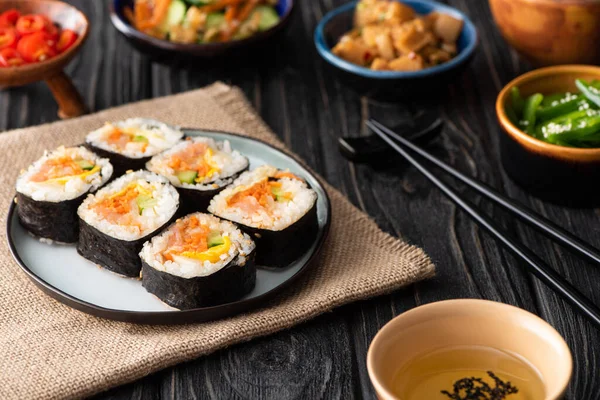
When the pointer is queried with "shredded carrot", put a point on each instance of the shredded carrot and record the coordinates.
(57, 168)
(192, 158)
(262, 192)
(187, 235)
(114, 208)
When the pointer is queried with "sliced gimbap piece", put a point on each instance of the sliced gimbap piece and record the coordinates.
(115, 222)
(51, 189)
(199, 168)
(131, 143)
(278, 210)
(199, 261)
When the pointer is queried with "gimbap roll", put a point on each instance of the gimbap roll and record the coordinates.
(278, 210)
(51, 189)
(131, 143)
(199, 261)
(115, 222)
(199, 168)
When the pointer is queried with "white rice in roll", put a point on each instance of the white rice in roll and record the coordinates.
(131, 207)
(64, 174)
(166, 252)
(135, 137)
(272, 211)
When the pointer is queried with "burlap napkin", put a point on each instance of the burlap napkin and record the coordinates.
(48, 350)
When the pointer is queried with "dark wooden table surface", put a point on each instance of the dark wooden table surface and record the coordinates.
(309, 109)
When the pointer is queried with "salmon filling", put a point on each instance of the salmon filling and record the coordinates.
(63, 168)
(120, 138)
(196, 158)
(117, 208)
(261, 195)
(191, 239)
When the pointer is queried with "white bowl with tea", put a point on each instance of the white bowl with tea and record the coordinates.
(469, 350)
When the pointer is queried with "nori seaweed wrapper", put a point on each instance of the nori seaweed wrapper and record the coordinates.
(192, 200)
(277, 249)
(116, 255)
(120, 163)
(56, 221)
(226, 285)
(195, 200)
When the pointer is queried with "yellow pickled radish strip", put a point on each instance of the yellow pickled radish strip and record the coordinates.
(131, 186)
(214, 167)
(213, 254)
(65, 179)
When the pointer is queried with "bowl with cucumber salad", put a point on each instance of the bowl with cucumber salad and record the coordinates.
(199, 28)
(550, 142)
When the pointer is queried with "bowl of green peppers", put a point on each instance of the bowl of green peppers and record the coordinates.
(550, 139)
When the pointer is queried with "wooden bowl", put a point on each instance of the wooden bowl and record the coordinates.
(563, 175)
(550, 32)
(70, 103)
(469, 322)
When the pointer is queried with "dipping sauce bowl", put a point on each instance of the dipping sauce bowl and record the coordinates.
(455, 323)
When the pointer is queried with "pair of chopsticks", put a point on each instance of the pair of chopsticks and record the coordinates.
(533, 263)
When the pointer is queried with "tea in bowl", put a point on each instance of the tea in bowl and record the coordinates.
(456, 348)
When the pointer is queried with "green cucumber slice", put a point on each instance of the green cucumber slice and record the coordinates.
(175, 15)
(145, 201)
(187, 176)
(140, 138)
(214, 20)
(85, 165)
(268, 17)
(215, 239)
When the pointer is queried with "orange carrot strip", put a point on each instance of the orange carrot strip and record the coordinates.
(231, 12)
(141, 12)
(248, 7)
(241, 17)
(158, 14)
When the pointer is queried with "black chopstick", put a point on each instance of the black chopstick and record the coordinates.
(528, 216)
(536, 265)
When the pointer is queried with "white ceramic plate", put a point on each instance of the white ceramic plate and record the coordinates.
(60, 272)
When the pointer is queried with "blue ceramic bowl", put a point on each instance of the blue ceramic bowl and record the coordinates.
(166, 50)
(390, 84)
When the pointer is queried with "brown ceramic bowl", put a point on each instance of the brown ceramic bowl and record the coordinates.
(551, 32)
(51, 71)
(563, 175)
(469, 323)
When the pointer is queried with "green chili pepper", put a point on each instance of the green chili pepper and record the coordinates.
(564, 106)
(517, 101)
(543, 130)
(551, 98)
(529, 111)
(583, 132)
(592, 93)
